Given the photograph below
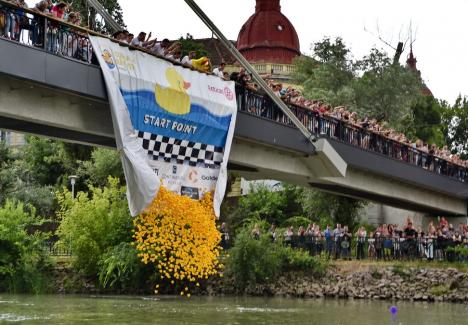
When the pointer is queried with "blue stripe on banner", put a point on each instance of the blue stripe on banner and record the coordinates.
(197, 126)
(146, 99)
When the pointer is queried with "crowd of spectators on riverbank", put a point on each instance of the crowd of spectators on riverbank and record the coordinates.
(62, 40)
(386, 242)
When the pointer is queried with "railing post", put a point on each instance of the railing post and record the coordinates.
(44, 34)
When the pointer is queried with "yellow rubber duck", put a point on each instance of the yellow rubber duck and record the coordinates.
(174, 98)
(202, 64)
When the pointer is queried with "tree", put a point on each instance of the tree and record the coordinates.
(103, 163)
(24, 264)
(385, 91)
(373, 86)
(189, 45)
(455, 126)
(264, 204)
(47, 161)
(426, 121)
(325, 208)
(326, 75)
(89, 14)
(94, 223)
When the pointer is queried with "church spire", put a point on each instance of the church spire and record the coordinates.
(411, 61)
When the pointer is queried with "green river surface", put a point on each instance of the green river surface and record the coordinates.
(56, 309)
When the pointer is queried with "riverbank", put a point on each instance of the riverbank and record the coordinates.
(343, 280)
(355, 280)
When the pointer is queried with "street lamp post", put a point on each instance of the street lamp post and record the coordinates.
(73, 182)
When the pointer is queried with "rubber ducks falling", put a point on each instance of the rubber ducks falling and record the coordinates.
(174, 98)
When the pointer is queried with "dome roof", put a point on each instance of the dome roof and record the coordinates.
(268, 36)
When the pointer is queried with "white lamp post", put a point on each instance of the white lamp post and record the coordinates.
(73, 182)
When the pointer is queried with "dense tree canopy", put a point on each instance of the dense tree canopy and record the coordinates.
(455, 126)
(90, 16)
(372, 86)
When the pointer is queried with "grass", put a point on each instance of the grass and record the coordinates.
(440, 290)
(463, 267)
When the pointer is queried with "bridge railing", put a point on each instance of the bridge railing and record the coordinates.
(36, 29)
(58, 37)
(254, 103)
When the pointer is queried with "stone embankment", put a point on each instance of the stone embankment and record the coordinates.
(389, 283)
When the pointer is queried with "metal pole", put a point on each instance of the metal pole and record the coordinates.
(246, 65)
(104, 14)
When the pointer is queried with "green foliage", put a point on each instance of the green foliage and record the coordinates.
(440, 290)
(376, 274)
(325, 208)
(5, 154)
(385, 91)
(373, 86)
(401, 271)
(112, 7)
(47, 161)
(427, 121)
(299, 260)
(120, 267)
(455, 126)
(24, 265)
(296, 222)
(253, 261)
(461, 251)
(189, 45)
(264, 204)
(326, 75)
(94, 223)
(103, 163)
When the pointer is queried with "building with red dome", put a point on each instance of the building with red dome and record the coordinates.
(268, 40)
(268, 36)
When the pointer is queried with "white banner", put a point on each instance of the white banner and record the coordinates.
(173, 126)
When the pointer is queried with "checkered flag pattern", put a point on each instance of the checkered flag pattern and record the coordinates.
(170, 149)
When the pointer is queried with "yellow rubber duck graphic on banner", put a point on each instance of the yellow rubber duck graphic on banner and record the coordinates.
(174, 98)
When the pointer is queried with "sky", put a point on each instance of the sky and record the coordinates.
(439, 29)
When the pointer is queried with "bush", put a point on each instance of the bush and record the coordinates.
(93, 225)
(121, 268)
(253, 261)
(300, 260)
(296, 222)
(24, 264)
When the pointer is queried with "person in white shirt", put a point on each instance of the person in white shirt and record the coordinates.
(188, 58)
(219, 71)
(159, 48)
(142, 41)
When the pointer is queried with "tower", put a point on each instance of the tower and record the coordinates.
(269, 40)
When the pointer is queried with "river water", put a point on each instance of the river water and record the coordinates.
(56, 309)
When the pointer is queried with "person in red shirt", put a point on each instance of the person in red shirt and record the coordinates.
(59, 10)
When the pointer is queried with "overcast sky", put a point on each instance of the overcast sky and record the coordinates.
(441, 27)
(441, 45)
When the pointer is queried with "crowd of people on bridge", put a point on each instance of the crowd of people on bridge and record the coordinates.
(386, 242)
(62, 40)
(363, 127)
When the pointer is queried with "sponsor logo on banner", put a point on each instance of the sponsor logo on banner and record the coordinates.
(193, 176)
(107, 56)
(180, 134)
(190, 192)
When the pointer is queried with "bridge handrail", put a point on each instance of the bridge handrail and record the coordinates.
(254, 103)
(71, 41)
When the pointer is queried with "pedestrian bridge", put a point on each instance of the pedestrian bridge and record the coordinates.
(51, 94)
